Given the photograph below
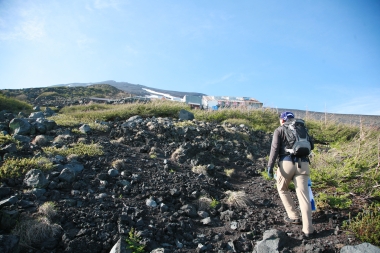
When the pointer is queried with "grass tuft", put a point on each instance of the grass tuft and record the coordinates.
(204, 203)
(200, 169)
(118, 164)
(33, 231)
(238, 199)
(48, 210)
(230, 172)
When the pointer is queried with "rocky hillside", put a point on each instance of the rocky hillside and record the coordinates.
(135, 89)
(171, 185)
(65, 96)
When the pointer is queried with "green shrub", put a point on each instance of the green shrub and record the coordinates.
(80, 149)
(89, 113)
(14, 105)
(7, 139)
(65, 120)
(350, 166)
(133, 242)
(338, 201)
(258, 119)
(16, 167)
(264, 174)
(331, 132)
(214, 203)
(366, 225)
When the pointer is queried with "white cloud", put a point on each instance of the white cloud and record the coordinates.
(84, 41)
(221, 79)
(131, 50)
(30, 29)
(194, 31)
(366, 105)
(104, 4)
(33, 29)
(27, 22)
(224, 16)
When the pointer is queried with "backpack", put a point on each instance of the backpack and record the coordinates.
(299, 142)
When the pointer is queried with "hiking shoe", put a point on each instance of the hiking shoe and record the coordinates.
(292, 221)
(305, 236)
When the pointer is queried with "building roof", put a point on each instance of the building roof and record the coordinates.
(230, 99)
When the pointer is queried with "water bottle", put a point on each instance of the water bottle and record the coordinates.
(312, 202)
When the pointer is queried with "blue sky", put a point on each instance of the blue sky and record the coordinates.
(309, 55)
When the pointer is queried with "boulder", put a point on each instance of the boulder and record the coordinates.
(4, 191)
(8, 202)
(67, 175)
(273, 241)
(9, 243)
(48, 124)
(22, 138)
(120, 247)
(20, 126)
(185, 115)
(85, 129)
(48, 112)
(9, 219)
(35, 178)
(36, 115)
(364, 247)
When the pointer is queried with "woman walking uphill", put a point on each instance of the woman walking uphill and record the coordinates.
(294, 169)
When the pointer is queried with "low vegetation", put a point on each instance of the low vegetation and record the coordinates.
(204, 203)
(14, 105)
(16, 167)
(7, 139)
(348, 167)
(230, 172)
(133, 242)
(118, 164)
(238, 198)
(333, 201)
(48, 210)
(79, 149)
(34, 230)
(366, 225)
(65, 93)
(214, 203)
(200, 169)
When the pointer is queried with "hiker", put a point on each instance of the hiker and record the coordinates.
(291, 168)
